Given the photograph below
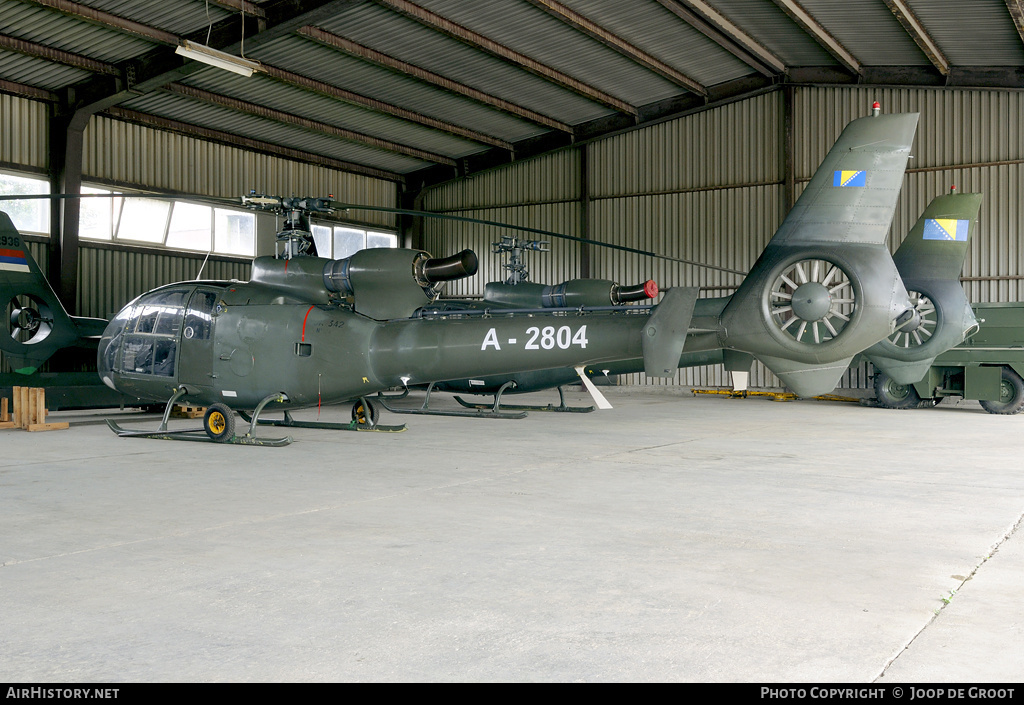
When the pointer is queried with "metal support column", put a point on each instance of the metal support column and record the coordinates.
(67, 131)
(585, 268)
(788, 175)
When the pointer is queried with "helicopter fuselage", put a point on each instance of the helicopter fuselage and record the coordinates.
(237, 343)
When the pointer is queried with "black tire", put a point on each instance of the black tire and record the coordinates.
(1011, 395)
(219, 423)
(895, 396)
(359, 412)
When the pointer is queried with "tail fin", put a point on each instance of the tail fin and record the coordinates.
(826, 288)
(36, 324)
(930, 261)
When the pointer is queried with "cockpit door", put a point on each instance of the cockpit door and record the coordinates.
(196, 361)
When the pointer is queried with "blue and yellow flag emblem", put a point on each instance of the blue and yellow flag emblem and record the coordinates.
(850, 178)
(946, 229)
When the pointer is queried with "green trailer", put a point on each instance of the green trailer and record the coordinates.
(988, 367)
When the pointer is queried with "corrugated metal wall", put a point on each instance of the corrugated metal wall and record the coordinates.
(538, 193)
(709, 188)
(121, 153)
(113, 276)
(23, 138)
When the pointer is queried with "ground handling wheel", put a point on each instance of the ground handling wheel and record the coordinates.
(219, 423)
(895, 396)
(364, 412)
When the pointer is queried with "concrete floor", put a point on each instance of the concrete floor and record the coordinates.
(673, 538)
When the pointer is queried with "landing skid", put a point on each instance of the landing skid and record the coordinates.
(196, 434)
(205, 434)
(290, 422)
(562, 406)
(480, 411)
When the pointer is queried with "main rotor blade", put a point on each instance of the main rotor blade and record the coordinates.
(549, 233)
(397, 211)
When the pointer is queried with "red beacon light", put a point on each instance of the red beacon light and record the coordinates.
(876, 108)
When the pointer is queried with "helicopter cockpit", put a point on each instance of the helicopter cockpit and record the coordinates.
(143, 339)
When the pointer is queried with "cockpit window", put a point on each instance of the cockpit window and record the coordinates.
(151, 333)
(199, 317)
(160, 313)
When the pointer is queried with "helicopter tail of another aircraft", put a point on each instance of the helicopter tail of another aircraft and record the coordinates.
(36, 324)
(930, 261)
(826, 288)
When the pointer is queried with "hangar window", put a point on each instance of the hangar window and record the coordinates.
(28, 216)
(339, 242)
(178, 225)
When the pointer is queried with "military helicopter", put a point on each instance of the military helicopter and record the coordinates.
(929, 261)
(517, 292)
(306, 331)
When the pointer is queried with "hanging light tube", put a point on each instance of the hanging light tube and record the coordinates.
(220, 59)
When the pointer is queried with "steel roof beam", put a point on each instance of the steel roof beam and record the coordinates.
(917, 32)
(160, 67)
(211, 135)
(712, 24)
(67, 58)
(482, 43)
(380, 106)
(26, 91)
(810, 25)
(1016, 8)
(245, 6)
(305, 123)
(381, 59)
(106, 19)
(617, 43)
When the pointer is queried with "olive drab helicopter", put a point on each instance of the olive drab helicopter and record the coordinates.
(517, 292)
(306, 331)
(929, 261)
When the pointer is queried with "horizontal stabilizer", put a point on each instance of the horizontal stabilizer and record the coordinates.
(807, 380)
(665, 333)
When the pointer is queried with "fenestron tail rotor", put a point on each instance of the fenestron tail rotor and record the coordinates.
(920, 332)
(30, 322)
(812, 300)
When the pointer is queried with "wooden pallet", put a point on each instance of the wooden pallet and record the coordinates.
(29, 409)
(188, 412)
(5, 414)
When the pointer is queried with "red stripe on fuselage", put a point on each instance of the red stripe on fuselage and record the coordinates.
(304, 323)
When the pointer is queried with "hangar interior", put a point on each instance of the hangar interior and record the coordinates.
(684, 128)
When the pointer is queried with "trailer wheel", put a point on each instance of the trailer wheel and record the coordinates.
(1011, 395)
(895, 396)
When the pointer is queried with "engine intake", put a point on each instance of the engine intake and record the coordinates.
(392, 283)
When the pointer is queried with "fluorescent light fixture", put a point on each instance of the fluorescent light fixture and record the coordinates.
(220, 59)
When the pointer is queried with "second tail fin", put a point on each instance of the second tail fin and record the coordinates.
(930, 260)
